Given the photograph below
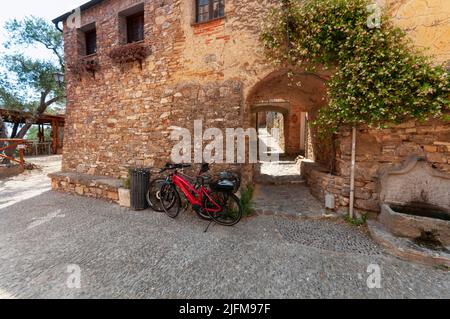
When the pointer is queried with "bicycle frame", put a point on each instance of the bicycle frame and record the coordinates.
(194, 196)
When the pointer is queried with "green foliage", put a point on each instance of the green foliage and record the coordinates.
(378, 77)
(442, 267)
(33, 133)
(358, 221)
(27, 83)
(246, 200)
(34, 30)
(126, 182)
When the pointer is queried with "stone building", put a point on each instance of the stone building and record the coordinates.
(136, 68)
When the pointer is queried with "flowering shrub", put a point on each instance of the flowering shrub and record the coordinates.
(379, 77)
(130, 53)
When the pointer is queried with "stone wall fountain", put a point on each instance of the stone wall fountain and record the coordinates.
(414, 223)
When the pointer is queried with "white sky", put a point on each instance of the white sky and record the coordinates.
(47, 9)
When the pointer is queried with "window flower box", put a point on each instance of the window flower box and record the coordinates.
(86, 64)
(131, 52)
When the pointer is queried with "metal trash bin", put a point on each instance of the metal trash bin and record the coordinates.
(140, 183)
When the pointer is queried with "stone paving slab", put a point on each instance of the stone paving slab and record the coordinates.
(126, 254)
(291, 201)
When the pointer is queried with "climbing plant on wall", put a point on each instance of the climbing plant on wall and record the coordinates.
(378, 77)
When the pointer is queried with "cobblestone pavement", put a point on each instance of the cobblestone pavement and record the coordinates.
(125, 254)
(279, 200)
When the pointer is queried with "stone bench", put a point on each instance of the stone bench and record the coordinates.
(100, 187)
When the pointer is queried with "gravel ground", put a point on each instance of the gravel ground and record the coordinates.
(30, 183)
(123, 254)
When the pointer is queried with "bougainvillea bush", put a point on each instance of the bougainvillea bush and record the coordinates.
(379, 78)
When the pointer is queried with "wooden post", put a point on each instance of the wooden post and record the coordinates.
(21, 156)
(54, 137)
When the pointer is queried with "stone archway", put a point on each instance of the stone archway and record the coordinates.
(298, 95)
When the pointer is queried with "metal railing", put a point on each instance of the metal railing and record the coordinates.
(38, 148)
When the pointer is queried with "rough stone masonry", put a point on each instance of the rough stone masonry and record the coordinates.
(120, 115)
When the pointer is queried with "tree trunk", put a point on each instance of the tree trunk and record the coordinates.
(3, 131)
(14, 130)
(3, 134)
(39, 111)
(29, 123)
(24, 130)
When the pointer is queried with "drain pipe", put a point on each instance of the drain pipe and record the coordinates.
(352, 173)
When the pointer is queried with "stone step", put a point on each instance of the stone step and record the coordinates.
(279, 180)
(101, 187)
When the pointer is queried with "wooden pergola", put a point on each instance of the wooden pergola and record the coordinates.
(55, 121)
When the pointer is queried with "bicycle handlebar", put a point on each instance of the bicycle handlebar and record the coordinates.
(174, 167)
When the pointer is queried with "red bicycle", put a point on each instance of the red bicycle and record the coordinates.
(214, 201)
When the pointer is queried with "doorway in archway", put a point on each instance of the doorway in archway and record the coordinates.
(288, 100)
(282, 132)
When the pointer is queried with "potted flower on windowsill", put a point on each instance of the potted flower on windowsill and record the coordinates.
(123, 54)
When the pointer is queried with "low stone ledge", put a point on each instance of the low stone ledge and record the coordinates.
(412, 226)
(406, 249)
(10, 170)
(321, 183)
(100, 187)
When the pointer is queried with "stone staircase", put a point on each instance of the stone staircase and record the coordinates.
(285, 171)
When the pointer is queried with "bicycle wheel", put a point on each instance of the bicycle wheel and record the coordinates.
(170, 200)
(231, 210)
(203, 215)
(154, 195)
(202, 211)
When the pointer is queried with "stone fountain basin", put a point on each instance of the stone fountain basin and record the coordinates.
(413, 220)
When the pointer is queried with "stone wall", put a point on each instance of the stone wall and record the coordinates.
(426, 23)
(276, 121)
(377, 150)
(122, 116)
(87, 185)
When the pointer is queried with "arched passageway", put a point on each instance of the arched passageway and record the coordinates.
(289, 101)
